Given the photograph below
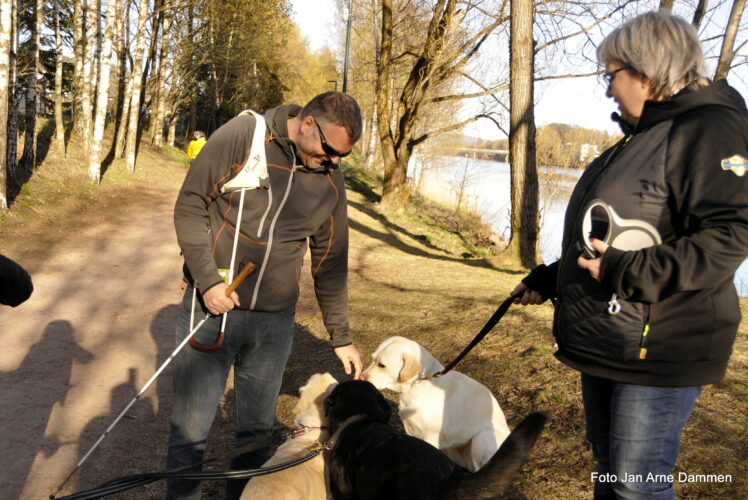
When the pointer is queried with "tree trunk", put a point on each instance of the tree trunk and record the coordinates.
(726, 54)
(698, 13)
(102, 94)
(524, 176)
(59, 121)
(6, 9)
(172, 135)
(125, 86)
(135, 79)
(79, 49)
(83, 120)
(122, 35)
(14, 97)
(164, 69)
(28, 160)
(666, 5)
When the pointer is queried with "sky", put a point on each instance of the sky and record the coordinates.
(577, 101)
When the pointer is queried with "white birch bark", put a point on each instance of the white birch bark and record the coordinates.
(161, 87)
(6, 8)
(135, 78)
(79, 51)
(59, 122)
(102, 94)
(125, 88)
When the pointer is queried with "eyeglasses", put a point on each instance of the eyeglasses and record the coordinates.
(329, 150)
(607, 78)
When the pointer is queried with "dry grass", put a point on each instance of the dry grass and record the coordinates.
(409, 277)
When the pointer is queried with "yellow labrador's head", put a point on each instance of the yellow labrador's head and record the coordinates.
(309, 409)
(399, 362)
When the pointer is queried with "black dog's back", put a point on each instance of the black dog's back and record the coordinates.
(371, 460)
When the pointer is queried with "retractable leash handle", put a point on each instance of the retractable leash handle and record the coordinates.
(234, 284)
(219, 339)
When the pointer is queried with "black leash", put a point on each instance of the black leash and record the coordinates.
(503, 308)
(135, 480)
(129, 482)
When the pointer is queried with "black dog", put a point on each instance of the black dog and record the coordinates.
(369, 459)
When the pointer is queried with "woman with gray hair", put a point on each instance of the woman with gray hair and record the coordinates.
(646, 306)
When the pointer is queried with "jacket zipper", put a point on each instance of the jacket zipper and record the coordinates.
(267, 211)
(645, 335)
(271, 232)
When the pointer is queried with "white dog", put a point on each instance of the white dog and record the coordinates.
(453, 412)
(307, 480)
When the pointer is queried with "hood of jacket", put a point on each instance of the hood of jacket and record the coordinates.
(718, 93)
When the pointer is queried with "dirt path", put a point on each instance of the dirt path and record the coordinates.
(100, 319)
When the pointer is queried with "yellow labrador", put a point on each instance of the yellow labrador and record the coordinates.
(307, 480)
(454, 412)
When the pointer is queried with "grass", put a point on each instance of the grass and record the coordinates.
(422, 273)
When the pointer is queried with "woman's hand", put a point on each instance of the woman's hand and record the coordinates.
(526, 296)
(593, 265)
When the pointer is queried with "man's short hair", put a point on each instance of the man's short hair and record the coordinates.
(198, 134)
(338, 108)
(660, 46)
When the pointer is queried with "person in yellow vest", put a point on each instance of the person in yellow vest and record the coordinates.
(196, 144)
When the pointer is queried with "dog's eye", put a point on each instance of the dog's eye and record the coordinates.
(381, 365)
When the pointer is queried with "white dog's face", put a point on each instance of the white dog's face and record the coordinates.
(309, 409)
(397, 362)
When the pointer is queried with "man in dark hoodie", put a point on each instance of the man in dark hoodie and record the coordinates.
(300, 203)
(646, 308)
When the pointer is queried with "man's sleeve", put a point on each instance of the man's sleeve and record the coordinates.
(15, 283)
(221, 158)
(710, 210)
(329, 251)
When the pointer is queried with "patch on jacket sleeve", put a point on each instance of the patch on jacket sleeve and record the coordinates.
(737, 164)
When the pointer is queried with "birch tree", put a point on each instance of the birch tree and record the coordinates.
(14, 97)
(6, 7)
(28, 160)
(102, 94)
(59, 123)
(727, 54)
(136, 75)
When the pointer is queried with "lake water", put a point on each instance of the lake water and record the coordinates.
(484, 186)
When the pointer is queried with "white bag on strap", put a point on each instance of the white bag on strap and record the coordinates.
(254, 173)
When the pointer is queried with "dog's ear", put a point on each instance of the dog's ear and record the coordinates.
(384, 406)
(410, 369)
(330, 401)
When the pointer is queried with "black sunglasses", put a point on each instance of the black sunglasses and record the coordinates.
(329, 150)
(607, 78)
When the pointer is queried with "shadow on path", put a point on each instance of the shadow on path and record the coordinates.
(27, 397)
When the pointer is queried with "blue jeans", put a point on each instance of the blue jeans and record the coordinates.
(258, 345)
(635, 435)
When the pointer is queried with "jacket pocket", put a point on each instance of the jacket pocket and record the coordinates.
(588, 327)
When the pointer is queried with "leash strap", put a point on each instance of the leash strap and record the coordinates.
(503, 308)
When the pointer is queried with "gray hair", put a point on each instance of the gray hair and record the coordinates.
(662, 47)
(198, 134)
(338, 108)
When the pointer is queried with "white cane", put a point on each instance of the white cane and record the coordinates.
(238, 281)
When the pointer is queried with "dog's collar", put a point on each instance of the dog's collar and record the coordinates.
(300, 431)
(333, 441)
